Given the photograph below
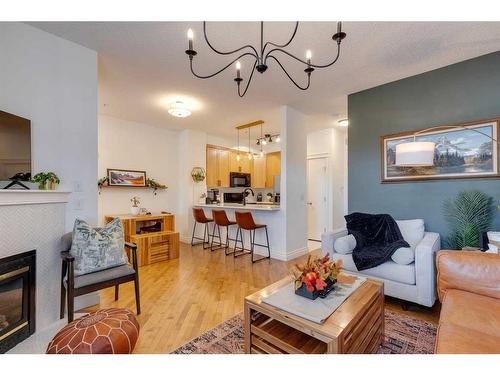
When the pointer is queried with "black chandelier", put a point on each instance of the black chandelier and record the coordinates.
(261, 59)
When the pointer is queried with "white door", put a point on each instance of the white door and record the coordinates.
(317, 197)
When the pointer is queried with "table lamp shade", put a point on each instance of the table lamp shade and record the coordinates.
(415, 154)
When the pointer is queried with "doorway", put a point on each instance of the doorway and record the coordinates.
(317, 197)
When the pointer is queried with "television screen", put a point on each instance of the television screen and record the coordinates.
(15, 146)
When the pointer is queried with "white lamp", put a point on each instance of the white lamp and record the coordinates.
(415, 154)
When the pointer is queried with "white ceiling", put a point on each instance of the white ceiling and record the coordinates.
(143, 67)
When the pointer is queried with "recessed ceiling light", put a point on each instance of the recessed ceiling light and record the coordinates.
(344, 122)
(179, 109)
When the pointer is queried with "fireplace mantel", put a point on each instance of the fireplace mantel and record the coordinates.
(21, 197)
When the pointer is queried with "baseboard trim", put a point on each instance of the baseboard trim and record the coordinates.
(296, 253)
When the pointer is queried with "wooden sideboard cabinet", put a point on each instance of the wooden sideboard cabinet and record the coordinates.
(154, 235)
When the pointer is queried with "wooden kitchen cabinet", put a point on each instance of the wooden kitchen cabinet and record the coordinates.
(259, 173)
(273, 167)
(218, 166)
(244, 165)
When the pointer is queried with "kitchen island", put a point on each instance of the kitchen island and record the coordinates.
(262, 213)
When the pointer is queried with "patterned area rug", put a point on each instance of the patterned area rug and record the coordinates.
(403, 335)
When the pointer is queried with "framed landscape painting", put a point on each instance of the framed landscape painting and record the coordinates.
(127, 178)
(459, 153)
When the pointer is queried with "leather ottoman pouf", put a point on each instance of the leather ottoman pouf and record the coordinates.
(107, 331)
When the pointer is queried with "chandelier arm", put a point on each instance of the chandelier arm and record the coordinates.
(290, 78)
(305, 62)
(229, 52)
(220, 70)
(282, 45)
(248, 83)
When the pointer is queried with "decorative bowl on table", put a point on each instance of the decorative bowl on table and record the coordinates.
(316, 278)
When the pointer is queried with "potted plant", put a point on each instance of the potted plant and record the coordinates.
(316, 278)
(135, 209)
(468, 215)
(46, 180)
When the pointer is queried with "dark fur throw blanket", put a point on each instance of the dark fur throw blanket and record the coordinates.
(377, 238)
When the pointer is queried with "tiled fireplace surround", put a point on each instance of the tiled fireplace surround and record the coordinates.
(36, 220)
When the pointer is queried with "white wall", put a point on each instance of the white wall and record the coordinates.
(331, 143)
(130, 145)
(53, 83)
(293, 181)
(192, 153)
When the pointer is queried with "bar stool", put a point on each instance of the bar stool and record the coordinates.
(221, 220)
(245, 222)
(199, 217)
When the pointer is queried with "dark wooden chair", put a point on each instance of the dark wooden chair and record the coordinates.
(73, 286)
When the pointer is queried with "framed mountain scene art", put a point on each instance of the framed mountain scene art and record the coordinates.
(126, 178)
(458, 153)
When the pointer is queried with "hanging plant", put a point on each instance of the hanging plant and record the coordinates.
(198, 174)
(469, 214)
(155, 185)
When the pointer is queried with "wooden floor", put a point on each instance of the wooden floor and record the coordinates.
(182, 298)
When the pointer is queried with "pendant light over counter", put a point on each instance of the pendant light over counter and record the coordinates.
(263, 139)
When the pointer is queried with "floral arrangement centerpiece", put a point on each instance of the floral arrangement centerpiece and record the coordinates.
(316, 277)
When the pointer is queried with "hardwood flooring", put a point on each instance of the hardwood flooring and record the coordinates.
(184, 297)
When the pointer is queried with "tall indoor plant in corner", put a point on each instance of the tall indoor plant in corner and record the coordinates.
(469, 214)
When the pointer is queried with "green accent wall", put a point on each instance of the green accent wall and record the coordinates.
(466, 91)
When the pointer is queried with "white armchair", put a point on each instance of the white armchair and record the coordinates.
(414, 282)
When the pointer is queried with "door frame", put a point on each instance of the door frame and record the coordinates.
(329, 187)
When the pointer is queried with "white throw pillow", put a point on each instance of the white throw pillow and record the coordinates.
(345, 245)
(412, 231)
(404, 255)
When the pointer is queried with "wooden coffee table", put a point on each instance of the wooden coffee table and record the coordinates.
(356, 326)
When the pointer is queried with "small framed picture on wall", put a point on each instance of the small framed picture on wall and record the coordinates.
(458, 153)
(126, 178)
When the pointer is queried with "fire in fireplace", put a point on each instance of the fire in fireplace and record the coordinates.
(17, 299)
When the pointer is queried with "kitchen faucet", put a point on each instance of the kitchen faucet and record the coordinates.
(245, 193)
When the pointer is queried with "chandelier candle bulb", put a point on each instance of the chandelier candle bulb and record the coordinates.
(190, 39)
(308, 57)
(238, 68)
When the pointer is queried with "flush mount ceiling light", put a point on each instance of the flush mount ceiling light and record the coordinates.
(261, 57)
(179, 109)
(344, 122)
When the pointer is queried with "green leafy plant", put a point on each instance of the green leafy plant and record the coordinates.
(198, 174)
(155, 185)
(46, 180)
(469, 214)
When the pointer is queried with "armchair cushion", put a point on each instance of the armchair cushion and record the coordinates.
(99, 277)
(404, 255)
(345, 244)
(97, 249)
(412, 231)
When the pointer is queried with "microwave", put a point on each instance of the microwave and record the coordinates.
(237, 179)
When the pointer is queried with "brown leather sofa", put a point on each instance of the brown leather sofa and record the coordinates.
(469, 290)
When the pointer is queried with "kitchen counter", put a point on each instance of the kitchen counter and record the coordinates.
(239, 206)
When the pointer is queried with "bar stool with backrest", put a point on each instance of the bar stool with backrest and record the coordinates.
(221, 220)
(246, 222)
(199, 217)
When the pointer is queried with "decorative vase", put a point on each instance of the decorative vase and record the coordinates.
(51, 185)
(135, 210)
(42, 186)
(303, 292)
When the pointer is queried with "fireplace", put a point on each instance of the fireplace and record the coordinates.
(17, 299)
